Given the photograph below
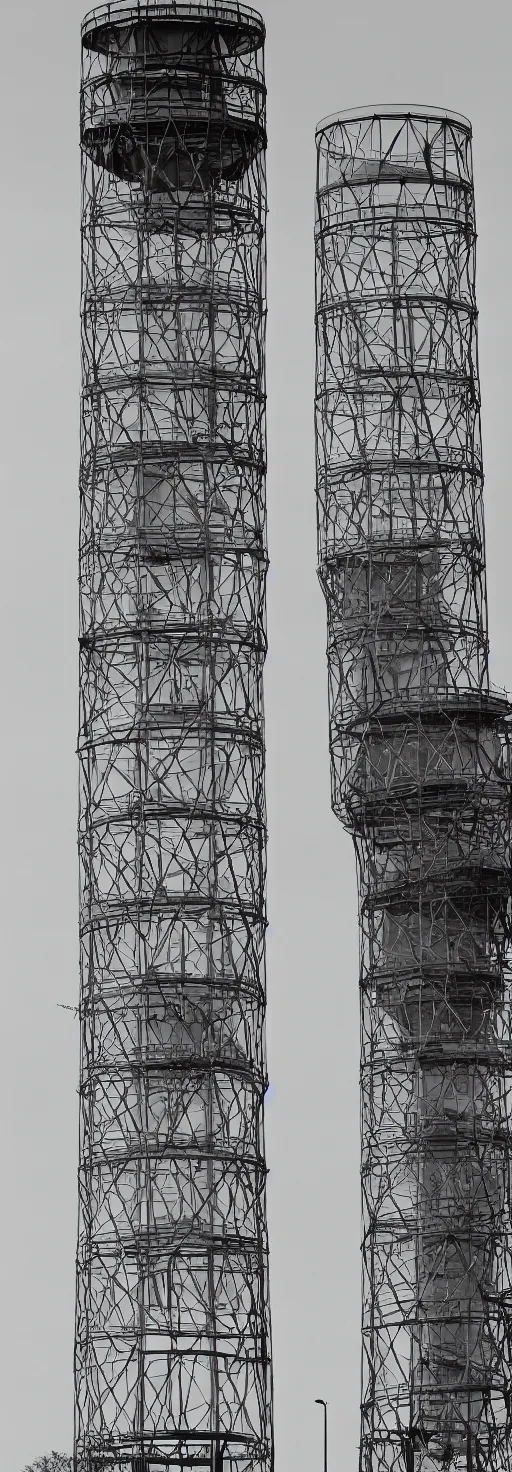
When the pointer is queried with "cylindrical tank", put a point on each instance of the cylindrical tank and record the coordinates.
(420, 776)
(172, 1336)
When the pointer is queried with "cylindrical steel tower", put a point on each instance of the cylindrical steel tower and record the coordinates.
(420, 776)
(172, 1337)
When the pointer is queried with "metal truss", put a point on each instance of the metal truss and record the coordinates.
(172, 1332)
(420, 776)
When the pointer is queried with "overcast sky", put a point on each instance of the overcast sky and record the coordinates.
(320, 57)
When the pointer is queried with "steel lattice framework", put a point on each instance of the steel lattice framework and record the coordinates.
(172, 1338)
(420, 776)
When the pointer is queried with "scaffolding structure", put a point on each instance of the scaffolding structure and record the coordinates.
(421, 778)
(172, 1329)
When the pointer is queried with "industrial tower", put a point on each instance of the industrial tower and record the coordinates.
(420, 777)
(172, 1333)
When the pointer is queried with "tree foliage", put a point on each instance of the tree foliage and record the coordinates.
(54, 1462)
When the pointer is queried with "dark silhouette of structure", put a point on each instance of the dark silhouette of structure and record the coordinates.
(420, 777)
(172, 1334)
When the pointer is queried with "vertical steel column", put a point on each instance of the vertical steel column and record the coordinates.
(172, 1337)
(420, 776)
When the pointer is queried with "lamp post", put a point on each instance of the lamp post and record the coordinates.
(320, 1402)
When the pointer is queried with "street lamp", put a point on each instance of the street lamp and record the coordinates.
(319, 1402)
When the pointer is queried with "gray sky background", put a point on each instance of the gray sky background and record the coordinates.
(320, 57)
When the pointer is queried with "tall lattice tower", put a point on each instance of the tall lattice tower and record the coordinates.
(420, 776)
(172, 1337)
